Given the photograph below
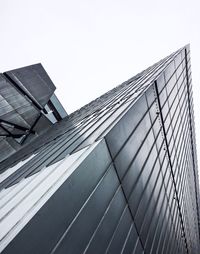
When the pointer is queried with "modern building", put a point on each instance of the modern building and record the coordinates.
(117, 176)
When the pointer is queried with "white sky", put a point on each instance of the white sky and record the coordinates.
(89, 46)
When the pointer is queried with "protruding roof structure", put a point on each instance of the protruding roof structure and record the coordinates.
(28, 106)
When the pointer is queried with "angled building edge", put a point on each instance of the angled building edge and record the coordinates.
(117, 176)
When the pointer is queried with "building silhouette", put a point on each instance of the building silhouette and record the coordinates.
(117, 176)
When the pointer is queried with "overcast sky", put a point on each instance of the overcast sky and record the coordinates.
(89, 46)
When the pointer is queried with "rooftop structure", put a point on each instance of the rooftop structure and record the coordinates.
(28, 106)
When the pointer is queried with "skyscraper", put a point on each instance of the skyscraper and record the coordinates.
(117, 176)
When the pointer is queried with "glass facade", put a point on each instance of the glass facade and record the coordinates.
(133, 186)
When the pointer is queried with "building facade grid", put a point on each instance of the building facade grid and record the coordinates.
(125, 173)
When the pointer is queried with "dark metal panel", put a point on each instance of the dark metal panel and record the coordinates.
(148, 198)
(6, 149)
(137, 167)
(41, 125)
(77, 236)
(104, 122)
(154, 210)
(155, 230)
(131, 241)
(131, 146)
(138, 249)
(121, 131)
(17, 111)
(104, 232)
(33, 81)
(121, 232)
(46, 228)
(58, 106)
(12, 103)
